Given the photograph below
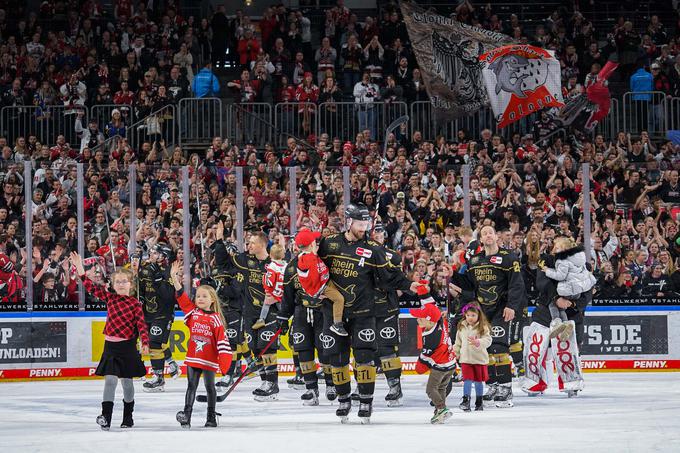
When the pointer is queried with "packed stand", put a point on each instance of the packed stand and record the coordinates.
(529, 188)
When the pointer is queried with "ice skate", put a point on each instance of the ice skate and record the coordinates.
(338, 329)
(331, 394)
(572, 393)
(503, 397)
(365, 411)
(479, 403)
(440, 416)
(310, 397)
(174, 370)
(491, 391)
(104, 420)
(128, 409)
(268, 391)
(184, 418)
(395, 395)
(212, 420)
(344, 409)
(259, 324)
(155, 384)
(296, 382)
(465, 404)
(560, 329)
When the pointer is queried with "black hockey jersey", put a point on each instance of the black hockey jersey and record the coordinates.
(357, 268)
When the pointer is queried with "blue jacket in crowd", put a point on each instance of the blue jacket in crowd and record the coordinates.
(641, 81)
(205, 84)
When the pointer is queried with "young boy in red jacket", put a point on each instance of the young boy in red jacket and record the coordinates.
(437, 354)
(315, 278)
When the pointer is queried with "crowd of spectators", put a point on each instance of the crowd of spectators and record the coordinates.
(530, 190)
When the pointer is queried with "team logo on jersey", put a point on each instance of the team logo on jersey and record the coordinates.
(364, 253)
(367, 335)
(388, 255)
(388, 333)
(327, 341)
(496, 259)
(200, 344)
(155, 330)
(497, 332)
(333, 246)
(231, 333)
(298, 338)
(267, 335)
(252, 263)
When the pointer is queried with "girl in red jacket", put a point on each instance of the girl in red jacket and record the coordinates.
(208, 350)
(120, 359)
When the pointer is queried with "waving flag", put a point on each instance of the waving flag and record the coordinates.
(448, 56)
(521, 80)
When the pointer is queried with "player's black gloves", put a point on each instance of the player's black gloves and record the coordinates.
(282, 323)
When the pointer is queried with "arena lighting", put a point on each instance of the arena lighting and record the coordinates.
(248, 2)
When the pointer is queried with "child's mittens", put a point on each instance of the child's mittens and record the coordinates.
(474, 341)
(423, 289)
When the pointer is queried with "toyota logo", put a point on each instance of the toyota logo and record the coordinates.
(248, 338)
(367, 335)
(231, 333)
(497, 331)
(267, 335)
(298, 338)
(155, 330)
(327, 341)
(388, 333)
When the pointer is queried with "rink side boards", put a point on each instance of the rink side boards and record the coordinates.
(58, 345)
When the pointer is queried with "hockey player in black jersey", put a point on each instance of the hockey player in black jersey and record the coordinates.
(306, 334)
(251, 265)
(494, 280)
(229, 288)
(355, 265)
(157, 296)
(387, 324)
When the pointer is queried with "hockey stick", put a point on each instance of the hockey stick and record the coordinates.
(249, 369)
(108, 230)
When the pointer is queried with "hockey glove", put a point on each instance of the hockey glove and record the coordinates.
(282, 323)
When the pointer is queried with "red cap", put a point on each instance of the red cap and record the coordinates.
(428, 311)
(306, 236)
(307, 74)
(348, 145)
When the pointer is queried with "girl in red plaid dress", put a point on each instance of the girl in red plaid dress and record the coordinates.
(124, 324)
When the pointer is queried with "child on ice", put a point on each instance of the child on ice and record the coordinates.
(272, 281)
(473, 337)
(208, 350)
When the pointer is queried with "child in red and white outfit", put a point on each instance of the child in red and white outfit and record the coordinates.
(208, 350)
(314, 276)
(272, 281)
(473, 337)
(436, 356)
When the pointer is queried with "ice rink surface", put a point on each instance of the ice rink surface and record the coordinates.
(617, 412)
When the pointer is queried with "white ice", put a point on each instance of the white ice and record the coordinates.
(618, 412)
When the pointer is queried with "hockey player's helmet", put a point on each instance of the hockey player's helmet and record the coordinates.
(165, 251)
(357, 211)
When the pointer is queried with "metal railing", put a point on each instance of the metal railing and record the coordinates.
(46, 123)
(200, 119)
(645, 111)
(251, 122)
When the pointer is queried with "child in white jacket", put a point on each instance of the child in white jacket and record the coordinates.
(573, 279)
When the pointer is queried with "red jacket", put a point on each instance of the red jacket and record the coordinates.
(437, 352)
(208, 347)
(312, 273)
(272, 280)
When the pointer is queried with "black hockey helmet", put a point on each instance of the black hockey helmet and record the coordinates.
(357, 211)
(165, 251)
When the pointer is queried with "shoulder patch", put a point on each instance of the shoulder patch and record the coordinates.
(372, 243)
(503, 252)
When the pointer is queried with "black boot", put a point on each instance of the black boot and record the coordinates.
(184, 417)
(104, 420)
(479, 403)
(128, 409)
(211, 421)
(465, 404)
